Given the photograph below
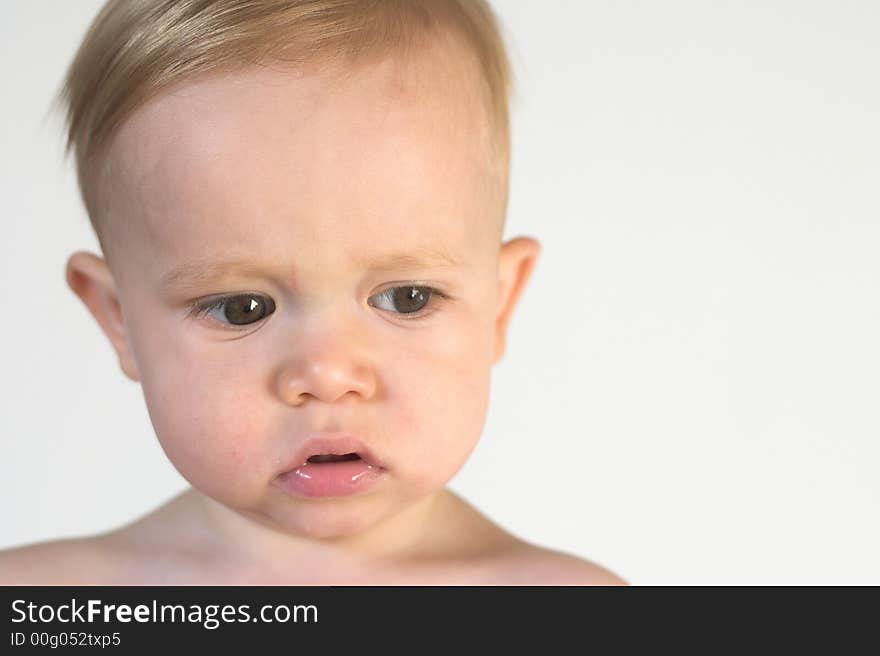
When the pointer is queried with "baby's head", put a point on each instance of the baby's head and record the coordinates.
(301, 206)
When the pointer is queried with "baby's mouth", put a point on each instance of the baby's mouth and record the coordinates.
(333, 458)
(328, 451)
(338, 473)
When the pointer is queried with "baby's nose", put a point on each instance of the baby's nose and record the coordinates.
(325, 378)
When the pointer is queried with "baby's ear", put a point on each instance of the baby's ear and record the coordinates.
(90, 278)
(516, 261)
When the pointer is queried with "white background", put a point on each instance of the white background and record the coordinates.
(690, 393)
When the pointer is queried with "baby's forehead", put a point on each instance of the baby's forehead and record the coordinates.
(263, 137)
(214, 112)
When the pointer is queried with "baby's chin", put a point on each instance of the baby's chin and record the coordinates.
(332, 519)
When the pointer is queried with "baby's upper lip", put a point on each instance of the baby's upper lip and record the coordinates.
(337, 444)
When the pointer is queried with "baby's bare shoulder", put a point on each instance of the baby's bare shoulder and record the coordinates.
(497, 557)
(528, 564)
(68, 561)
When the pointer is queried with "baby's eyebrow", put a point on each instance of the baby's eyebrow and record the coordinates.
(206, 269)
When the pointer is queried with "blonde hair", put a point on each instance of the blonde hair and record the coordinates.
(135, 49)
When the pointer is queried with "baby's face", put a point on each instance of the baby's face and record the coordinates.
(323, 211)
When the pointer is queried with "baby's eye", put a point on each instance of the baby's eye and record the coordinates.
(408, 299)
(239, 310)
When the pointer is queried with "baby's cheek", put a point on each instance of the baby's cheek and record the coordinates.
(223, 465)
(441, 413)
(209, 433)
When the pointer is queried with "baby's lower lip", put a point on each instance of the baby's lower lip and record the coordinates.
(331, 479)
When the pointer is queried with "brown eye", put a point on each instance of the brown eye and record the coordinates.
(240, 310)
(243, 310)
(409, 299)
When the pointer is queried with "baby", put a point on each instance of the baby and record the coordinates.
(301, 205)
